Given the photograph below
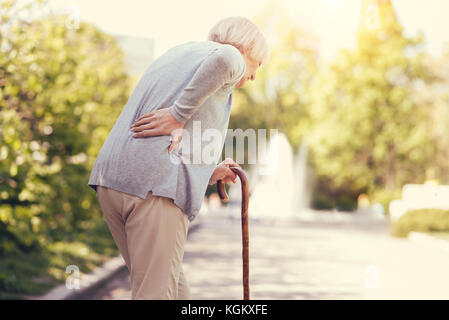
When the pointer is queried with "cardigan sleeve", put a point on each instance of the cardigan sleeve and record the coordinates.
(223, 66)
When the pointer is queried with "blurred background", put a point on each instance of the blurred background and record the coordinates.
(358, 206)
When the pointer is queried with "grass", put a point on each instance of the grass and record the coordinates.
(32, 274)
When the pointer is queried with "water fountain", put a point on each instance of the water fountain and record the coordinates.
(278, 183)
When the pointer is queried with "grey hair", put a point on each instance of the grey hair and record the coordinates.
(243, 34)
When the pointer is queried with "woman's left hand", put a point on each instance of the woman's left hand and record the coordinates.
(158, 123)
(224, 173)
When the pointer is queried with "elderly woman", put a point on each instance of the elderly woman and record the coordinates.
(147, 188)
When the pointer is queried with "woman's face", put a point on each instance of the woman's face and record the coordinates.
(250, 74)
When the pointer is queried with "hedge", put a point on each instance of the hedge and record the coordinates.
(424, 220)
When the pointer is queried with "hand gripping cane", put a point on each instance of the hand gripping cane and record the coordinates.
(245, 238)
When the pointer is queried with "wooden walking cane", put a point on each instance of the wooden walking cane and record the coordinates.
(245, 238)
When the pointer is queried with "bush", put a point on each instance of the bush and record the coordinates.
(61, 90)
(326, 197)
(322, 201)
(424, 220)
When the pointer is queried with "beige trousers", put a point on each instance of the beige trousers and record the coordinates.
(150, 235)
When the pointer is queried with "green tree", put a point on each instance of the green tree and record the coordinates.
(436, 96)
(61, 88)
(369, 132)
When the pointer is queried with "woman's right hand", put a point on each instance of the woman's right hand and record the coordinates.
(159, 123)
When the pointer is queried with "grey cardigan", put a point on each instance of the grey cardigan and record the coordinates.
(196, 81)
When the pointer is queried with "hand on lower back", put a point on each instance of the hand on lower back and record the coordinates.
(158, 123)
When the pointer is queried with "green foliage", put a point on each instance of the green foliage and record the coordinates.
(61, 90)
(322, 201)
(369, 133)
(325, 198)
(425, 220)
(436, 96)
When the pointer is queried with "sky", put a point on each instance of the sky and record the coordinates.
(170, 22)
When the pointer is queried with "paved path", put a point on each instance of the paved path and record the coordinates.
(309, 260)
